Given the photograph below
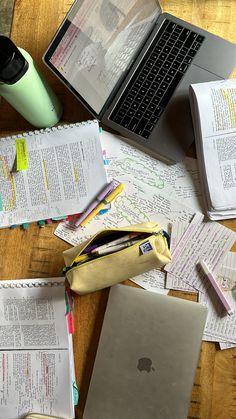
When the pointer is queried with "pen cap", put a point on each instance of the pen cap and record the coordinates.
(13, 64)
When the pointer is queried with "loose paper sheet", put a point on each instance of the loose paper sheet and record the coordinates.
(127, 164)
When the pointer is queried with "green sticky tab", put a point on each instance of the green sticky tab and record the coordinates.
(75, 393)
(21, 154)
(67, 303)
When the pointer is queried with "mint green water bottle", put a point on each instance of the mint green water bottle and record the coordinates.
(24, 88)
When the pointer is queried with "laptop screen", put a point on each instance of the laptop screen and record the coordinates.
(96, 44)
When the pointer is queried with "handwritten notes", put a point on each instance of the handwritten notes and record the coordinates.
(205, 240)
(190, 242)
(128, 164)
(218, 326)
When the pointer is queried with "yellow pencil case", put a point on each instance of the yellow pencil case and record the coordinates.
(148, 253)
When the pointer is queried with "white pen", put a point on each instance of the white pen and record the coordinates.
(120, 240)
(216, 287)
(111, 249)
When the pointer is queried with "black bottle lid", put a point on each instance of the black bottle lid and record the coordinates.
(13, 65)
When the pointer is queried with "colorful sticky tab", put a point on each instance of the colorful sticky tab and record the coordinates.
(63, 217)
(75, 393)
(103, 211)
(48, 221)
(21, 154)
(70, 322)
(41, 223)
(25, 226)
(67, 302)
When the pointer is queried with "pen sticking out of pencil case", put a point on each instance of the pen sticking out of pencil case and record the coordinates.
(114, 255)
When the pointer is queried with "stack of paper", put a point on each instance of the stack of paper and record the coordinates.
(209, 241)
(213, 106)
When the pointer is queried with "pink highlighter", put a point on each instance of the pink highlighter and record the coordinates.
(216, 287)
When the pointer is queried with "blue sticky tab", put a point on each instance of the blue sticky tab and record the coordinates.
(103, 211)
(1, 205)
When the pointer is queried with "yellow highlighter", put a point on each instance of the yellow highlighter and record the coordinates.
(81, 258)
(107, 200)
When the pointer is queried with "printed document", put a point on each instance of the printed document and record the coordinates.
(62, 165)
(213, 106)
(36, 358)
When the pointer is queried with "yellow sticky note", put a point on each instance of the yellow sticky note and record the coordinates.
(21, 154)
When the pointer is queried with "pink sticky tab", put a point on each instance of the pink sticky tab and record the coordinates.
(70, 322)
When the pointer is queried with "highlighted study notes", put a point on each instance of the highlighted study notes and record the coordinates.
(49, 187)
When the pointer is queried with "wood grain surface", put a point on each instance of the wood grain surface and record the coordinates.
(38, 253)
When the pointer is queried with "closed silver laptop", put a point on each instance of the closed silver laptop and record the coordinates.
(146, 358)
(131, 65)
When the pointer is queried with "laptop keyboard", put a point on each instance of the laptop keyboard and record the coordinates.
(155, 80)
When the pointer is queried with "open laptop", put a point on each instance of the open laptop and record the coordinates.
(131, 65)
(146, 358)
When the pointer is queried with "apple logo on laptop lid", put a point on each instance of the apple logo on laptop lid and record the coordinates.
(145, 364)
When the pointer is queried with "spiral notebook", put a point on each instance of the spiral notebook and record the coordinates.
(50, 173)
(36, 357)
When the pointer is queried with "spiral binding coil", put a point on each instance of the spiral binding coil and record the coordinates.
(31, 284)
(47, 130)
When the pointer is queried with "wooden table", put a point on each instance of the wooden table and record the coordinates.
(38, 253)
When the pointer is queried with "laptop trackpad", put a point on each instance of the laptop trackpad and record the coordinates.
(174, 132)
